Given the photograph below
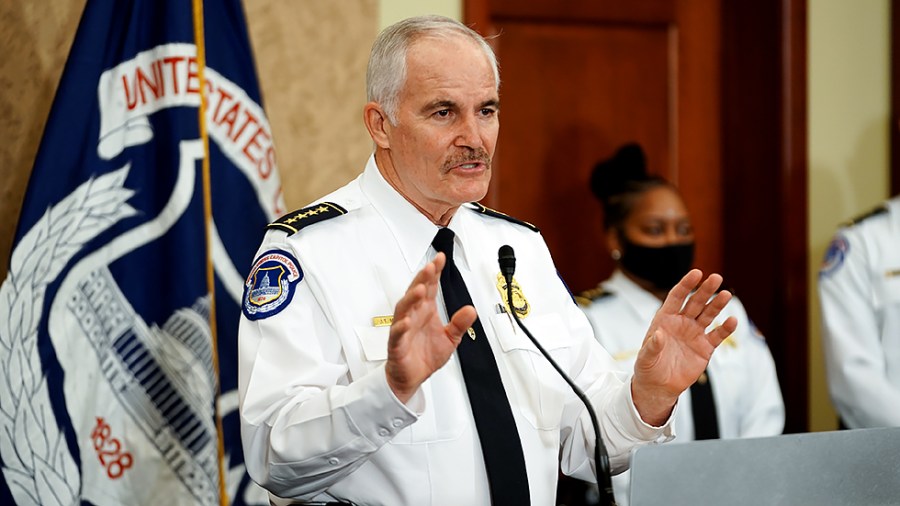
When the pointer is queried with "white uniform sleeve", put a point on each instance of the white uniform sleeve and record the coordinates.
(855, 359)
(304, 425)
(609, 391)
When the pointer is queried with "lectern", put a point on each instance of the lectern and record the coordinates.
(849, 467)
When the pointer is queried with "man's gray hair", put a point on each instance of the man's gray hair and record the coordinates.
(386, 73)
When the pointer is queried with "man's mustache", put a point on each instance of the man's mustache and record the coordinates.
(468, 156)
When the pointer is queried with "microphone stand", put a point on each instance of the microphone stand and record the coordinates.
(601, 455)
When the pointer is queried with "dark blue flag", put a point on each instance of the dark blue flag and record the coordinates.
(114, 352)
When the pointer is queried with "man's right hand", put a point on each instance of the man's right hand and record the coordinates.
(419, 343)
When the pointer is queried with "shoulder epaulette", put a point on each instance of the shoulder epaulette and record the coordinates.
(585, 298)
(294, 221)
(497, 214)
(859, 219)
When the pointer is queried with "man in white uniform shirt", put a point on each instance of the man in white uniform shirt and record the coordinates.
(351, 387)
(859, 292)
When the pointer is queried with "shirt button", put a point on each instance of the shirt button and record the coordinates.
(383, 432)
(397, 422)
(334, 461)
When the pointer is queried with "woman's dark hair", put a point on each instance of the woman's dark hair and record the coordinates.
(619, 181)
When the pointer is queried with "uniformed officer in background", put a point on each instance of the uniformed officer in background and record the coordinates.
(375, 322)
(859, 293)
(650, 237)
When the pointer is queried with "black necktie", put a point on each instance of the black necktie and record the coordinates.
(494, 421)
(703, 408)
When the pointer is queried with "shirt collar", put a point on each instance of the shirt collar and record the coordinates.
(459, 225)
(641, 300)
(410, 228)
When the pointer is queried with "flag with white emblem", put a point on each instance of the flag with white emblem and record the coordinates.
(119, 311)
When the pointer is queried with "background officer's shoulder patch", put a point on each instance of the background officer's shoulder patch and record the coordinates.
(271, 284)
(835, 255)
(487, 211)
(294, 221)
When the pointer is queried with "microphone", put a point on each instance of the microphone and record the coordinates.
(507, 260)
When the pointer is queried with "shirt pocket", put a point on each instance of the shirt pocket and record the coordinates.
(442, 420)
(540, 393)
(885, 293)
(889, 289)
(887, 314)
(373, 341)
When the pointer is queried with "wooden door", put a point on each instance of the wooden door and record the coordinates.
(715, 92)
(581, 78)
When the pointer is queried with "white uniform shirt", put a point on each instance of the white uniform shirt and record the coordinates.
(318, 419)
(744, 382)
(859, 292)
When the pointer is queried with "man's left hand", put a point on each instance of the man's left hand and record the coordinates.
(677, 347)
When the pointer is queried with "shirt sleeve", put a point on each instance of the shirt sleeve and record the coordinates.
(854, 356)
(609, 392)
(304, 424)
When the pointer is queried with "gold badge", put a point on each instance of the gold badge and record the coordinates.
(471, 333)
(519, 302)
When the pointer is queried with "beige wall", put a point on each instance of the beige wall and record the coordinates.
(849, 75)
(390, 11)
(311, 57)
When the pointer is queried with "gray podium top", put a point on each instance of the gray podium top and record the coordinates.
(849, 467)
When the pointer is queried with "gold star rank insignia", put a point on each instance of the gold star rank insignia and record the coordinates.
(293, 222)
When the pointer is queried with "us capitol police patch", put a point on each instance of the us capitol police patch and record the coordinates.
(270, 285)
(835, 255)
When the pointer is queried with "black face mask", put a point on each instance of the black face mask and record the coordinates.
(662, 267)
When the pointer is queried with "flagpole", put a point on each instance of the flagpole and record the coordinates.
(207, 219)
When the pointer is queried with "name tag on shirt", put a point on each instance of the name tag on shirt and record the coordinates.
(382, 321)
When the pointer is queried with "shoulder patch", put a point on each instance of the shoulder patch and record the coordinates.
(835, 255)
(475, 206)
(271, 284)
(585, 298)
(859, 219)
(294, 221)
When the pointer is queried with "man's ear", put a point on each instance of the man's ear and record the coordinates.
(377, 124)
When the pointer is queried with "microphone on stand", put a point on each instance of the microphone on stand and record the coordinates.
(507, 260)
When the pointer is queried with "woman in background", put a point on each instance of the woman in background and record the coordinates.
(650, 237)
